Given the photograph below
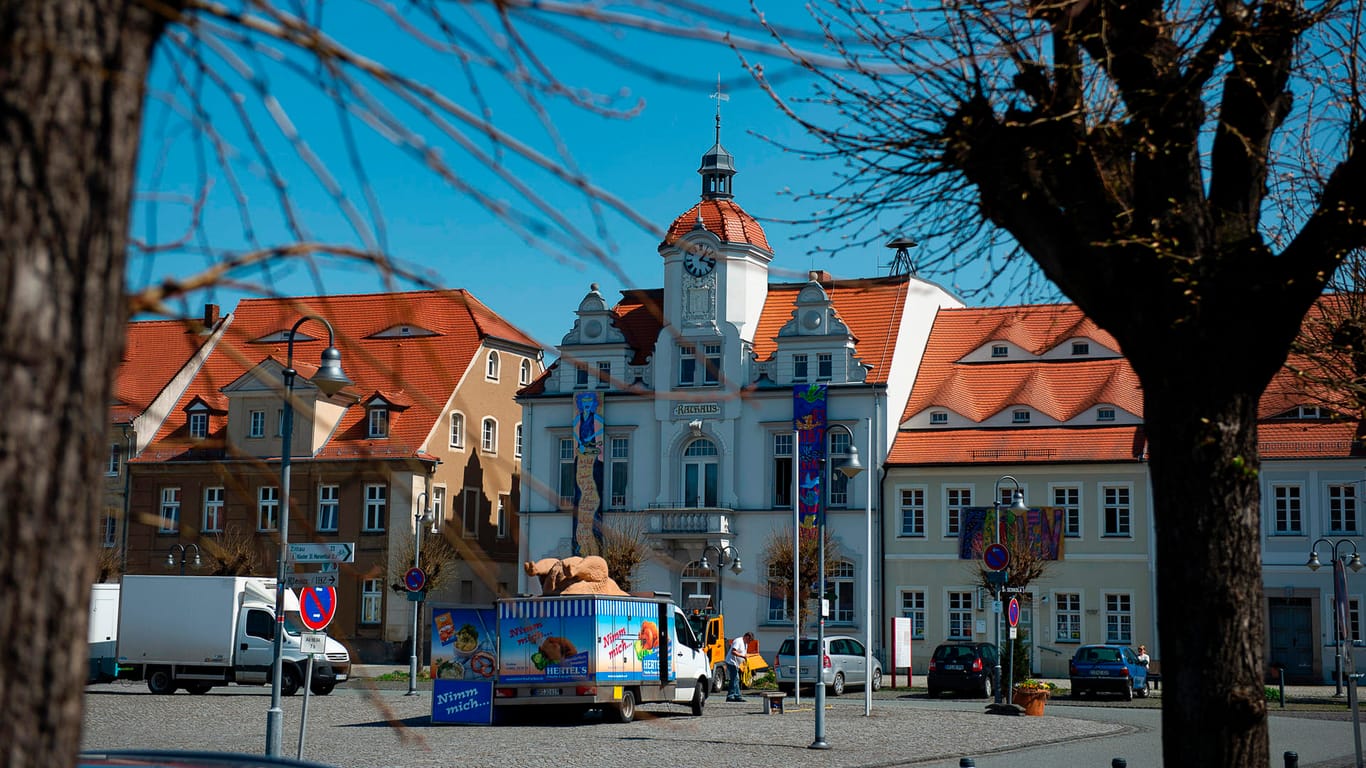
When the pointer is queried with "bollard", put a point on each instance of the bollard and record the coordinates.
(1281, 669)
(1119, 762)
(1292, 760)
(966, 762)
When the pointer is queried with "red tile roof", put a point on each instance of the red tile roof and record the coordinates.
(1041, 445)
(723, 218)
(640, 316)
(154, 351)
(421, 370)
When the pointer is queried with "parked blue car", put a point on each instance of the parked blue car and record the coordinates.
(1107, 669)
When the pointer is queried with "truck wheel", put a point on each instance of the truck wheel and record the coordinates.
(198, 689)
(289, 681)
(322, 689)
(625, 711)
(837, 685)
(718, 678)
(699, 697)
(161, 681)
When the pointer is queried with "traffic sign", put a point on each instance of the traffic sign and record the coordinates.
(339, 552)
(415, 579)
(1013, 613)
(313, 642)
(317, 606)
(306, 580)
(995, 556)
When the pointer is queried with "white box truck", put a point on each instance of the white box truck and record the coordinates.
(592, 652)
(197, 632)
(104, 632)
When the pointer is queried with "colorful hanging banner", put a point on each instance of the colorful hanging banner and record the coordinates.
(589, 431)
(808, 418)
(1041, 530)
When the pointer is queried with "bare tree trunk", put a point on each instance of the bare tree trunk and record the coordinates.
(1204, 456)
(72, 75)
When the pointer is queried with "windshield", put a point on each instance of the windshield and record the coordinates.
(808, 647)
(293, 624)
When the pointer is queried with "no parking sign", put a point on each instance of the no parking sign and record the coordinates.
(317, 606)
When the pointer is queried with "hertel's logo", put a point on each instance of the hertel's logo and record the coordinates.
(317, 606)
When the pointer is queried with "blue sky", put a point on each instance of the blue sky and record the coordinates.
(649, 161)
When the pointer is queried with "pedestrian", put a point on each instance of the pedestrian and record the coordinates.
(1143, 655)
(735, 661)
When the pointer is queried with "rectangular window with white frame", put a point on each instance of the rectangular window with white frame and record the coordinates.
(376, 507)
(268, 508)
(840, 584)
(1116, 511)
(777, 594)
(1068, 499)
(329, 508)
(371, 601)
(913, 608)
(959, 607)
(568, 475)
(379, 423)
(517, 442)
(199, 425)
(257, 426)
(825, 366)
(1287, 514)
(782, 469)
(799, 368)
(618, 470)
(438, 507)
(1067, 617)
(1119, 618)
(504, 505)
(711, 371)
(687, 365)
(955, 501)
(110, 533)
(279, 422)
(1342, 509)
(170, 511)
(469, 514)
(1354, 619)
(213, 510)
(604, 374)
(913, 512)
(837, 456)
(115, 460)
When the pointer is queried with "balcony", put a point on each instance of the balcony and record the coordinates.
(678, 523)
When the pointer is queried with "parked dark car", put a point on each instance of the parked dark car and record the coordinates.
(1107, 669)
(962, 667)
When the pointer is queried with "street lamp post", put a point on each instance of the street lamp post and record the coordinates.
(182, 549)
(820, 742)
(329, 379)
(726, 557)
(1339, 597)
(852, 469)
(1017, 505)
(420, 518)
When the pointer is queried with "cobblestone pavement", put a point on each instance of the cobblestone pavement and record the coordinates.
(364, 725)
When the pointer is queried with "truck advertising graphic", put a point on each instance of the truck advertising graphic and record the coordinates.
(579, 639)
(463, 665)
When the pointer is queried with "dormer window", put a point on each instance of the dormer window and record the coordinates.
(939, 417)
(1081, 348)
(257, 427)
(199, 425)
(1019, 417)
(825, 366)
(1311, 412)
(491, 372)
(379, 422)
(524, 374)
(1105, 414)
(1000, 350)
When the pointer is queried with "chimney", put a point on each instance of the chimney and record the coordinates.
(210, 316)
(820, 276)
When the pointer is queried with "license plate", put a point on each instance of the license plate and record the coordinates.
(792, 671)
(953, 667)
(546, 691)
(341, 678)
(1099, 673)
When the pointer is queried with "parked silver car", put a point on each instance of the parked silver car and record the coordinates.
(842, 665)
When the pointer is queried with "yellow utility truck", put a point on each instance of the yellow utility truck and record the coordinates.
(710, 628)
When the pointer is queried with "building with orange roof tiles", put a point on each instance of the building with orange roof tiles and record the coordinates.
(160, 359)
(429, 422)
(1037, 400)
(693, 415)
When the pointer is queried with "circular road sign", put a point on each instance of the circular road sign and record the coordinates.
(996, 556)
(415, 579)
(1013, 612)
(317, 606)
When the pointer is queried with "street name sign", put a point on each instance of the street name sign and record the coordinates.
(336, 552)
(305, 580)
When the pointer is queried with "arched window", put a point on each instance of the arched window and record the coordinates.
(489, 436)
(838, 441)
(457, 430)
(492, 373)
(524, 377)
(701, 470)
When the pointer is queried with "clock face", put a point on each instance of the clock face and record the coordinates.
(700, 260)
